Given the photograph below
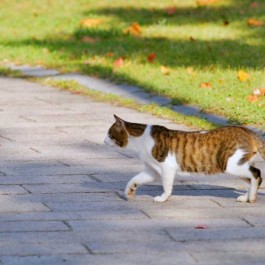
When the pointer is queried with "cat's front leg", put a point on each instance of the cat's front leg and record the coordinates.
(146, 176)
(168, 175)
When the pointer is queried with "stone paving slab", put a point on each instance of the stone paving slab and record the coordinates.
(61, 192)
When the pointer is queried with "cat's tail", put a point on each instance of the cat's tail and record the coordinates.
(261, 146)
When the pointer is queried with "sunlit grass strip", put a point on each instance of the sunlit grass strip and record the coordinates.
(154, 109)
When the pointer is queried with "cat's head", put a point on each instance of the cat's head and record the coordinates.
(117, 134)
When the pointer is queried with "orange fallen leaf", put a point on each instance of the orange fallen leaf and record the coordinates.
(88, 39)
(164, 70)
(171, 10)
(252, 98)
(90, 22)
(255, 22)
(151, 57)
(109, 54)
(242, 76)
(206, 85)
(134, 29)
(119, 62)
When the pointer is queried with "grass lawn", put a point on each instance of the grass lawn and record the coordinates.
(206, 53)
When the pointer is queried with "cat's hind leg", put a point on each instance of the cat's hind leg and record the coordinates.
(245, 197)
(255, 183)
(146, 176)
(245, 170)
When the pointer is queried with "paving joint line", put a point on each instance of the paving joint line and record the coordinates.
(249, 223)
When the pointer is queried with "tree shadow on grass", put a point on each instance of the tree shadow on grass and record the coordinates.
(193, 15)
(206, 55)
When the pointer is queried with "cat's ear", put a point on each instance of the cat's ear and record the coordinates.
(119, 121)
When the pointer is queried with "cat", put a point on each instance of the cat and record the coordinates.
(166, 152)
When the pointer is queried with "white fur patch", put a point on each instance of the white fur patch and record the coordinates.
(108, 141)
(233, 168)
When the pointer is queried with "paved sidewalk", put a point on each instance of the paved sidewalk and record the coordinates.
(60, 190)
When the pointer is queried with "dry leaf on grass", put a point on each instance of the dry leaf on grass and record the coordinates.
(206, 85)
(242, 76)
(257, 94)
(253, 22)
(109, 54)
(171, 10)
(190, 70)
(119, 62)
(88, 39)
(254, 5)
(134, 29)
(164, 70)
(252, 98)
(151, 57)
(90, 22)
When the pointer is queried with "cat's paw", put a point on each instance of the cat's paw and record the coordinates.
(130, 191)
(253, 200)
(161, 198)
(242, 198)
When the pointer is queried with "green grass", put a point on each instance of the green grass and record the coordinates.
(193, 43)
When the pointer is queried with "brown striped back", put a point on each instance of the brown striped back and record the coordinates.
(203, 151)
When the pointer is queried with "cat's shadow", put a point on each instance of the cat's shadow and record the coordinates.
(194, 190)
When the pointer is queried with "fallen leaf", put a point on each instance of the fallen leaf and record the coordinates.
(90, 22)
(252, 98)
(170, 11)
(151, 57)
(254, 5)
(134, 29)
(255, 22)
(242, 76)
(201, 227)
(76, 92)
(164, 70)
(118, 62)
(109, 54)
(259, 92)
(88, 39)
(256, 92)
(226, 22)
(190, 70)
(205, 85)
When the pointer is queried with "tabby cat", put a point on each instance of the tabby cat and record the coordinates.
(167, 152)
